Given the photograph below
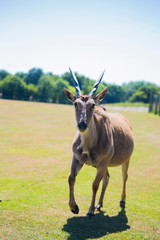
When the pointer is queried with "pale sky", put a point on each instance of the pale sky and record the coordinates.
(122, 37)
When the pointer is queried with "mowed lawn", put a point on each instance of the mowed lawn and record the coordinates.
(35, 159)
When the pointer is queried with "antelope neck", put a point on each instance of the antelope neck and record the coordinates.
(89, 137)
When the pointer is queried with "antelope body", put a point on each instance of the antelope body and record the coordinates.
(103, 140)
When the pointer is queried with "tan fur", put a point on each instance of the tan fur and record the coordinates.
(107, 142)
(109, 139)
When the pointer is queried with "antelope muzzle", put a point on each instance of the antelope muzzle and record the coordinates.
(82, 126)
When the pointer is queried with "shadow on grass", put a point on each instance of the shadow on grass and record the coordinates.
(81, 228)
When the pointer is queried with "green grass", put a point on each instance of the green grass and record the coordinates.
(35, 155)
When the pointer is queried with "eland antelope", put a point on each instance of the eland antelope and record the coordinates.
(103, 140)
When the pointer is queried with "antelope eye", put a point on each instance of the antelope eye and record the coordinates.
(93, 106)
(75, 105)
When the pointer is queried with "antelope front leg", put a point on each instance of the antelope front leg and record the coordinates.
(99, 176)
(75, 167)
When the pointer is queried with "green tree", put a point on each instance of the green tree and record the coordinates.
(33, 76)
(58, 91)
(13, 87)
(115, 94)
(21, 75)
(32, 92)
(67, 77)
(45, 88)
(3, 74)
(143, 93)
(130, 88)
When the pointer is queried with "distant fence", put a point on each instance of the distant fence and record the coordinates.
(154, 104)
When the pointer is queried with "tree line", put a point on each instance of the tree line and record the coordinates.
(47, 87)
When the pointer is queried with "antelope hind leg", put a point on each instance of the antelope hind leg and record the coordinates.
(124, 177)
(104, 186)
(95, 185)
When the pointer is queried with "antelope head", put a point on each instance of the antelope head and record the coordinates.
(84, 104)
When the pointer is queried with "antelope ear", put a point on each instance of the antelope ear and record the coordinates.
(70, 95)
(101, 95)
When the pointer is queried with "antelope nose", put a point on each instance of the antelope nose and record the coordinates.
(82, 126)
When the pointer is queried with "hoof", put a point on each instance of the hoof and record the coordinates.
(122, 204)
(76, 210)
(98, 207)
(89, 215)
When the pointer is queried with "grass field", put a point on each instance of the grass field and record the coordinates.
(129, 104)
(35, 158)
